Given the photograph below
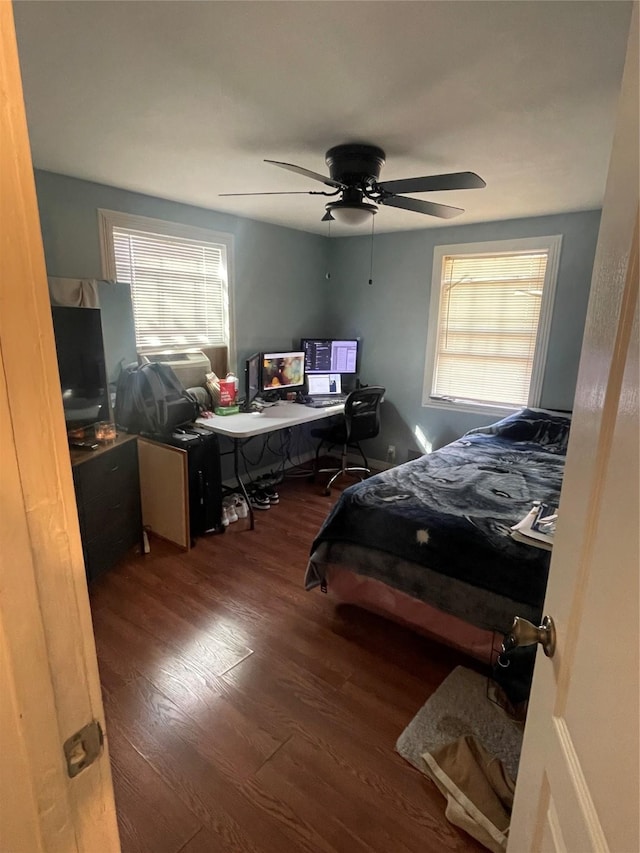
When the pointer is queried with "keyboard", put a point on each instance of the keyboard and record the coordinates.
(322, 402)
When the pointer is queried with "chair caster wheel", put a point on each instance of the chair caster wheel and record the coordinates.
(327, 492)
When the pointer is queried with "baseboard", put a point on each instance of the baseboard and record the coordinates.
(374, 464)
(379, 465)
(308, 456)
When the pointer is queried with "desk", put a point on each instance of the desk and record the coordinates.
(249, 424)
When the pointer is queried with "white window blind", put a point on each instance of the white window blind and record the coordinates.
(489, 315)
(178, 288)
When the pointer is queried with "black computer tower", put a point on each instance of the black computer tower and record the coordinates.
(204, 477)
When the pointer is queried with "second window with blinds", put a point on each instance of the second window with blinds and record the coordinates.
(489, 319)
(179, 277)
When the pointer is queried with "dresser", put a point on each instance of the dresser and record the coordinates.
(108, 498)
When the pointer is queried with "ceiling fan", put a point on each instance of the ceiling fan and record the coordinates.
(354, 170)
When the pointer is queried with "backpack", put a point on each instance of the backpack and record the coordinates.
(151, 399)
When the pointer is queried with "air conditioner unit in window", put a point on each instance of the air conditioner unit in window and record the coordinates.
(189, 366)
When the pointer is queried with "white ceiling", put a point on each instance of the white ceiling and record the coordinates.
(183, 100)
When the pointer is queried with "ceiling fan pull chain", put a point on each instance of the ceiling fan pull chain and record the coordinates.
(327, 275)
(373, 226)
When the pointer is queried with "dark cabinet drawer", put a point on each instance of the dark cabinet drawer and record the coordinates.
(109, 546)
(109, 510)
(108, 498)
(112, 472)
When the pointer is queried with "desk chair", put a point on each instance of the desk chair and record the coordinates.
(361, 420)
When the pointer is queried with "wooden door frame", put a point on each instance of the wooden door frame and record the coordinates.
(45, 621)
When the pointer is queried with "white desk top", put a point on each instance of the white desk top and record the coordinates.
(280, 416)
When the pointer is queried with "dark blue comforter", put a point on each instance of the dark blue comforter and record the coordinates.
(451, 510)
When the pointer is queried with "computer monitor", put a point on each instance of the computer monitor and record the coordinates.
(329, 355)
(282, 370)
(325, 383)
(252, 386)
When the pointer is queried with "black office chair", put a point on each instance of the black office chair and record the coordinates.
(361, 420)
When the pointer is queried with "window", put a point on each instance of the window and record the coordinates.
(179, 279)
(489, 321)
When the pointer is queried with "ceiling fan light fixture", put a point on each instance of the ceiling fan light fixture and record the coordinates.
(354, 171)
(351, 213)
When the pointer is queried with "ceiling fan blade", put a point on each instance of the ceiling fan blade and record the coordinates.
(443, 211)
(283, 192)
(434, 183)
(314, 175)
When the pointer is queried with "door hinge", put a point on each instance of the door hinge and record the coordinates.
(82, 748)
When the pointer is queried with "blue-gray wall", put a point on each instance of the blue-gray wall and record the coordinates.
(281, 292)
(280, 287)
(390, 316)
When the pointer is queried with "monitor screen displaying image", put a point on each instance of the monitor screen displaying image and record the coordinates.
(282, 370)
(329, 355)
(325, 383)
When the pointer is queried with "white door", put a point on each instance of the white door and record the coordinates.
(48, 670)
(578, 782)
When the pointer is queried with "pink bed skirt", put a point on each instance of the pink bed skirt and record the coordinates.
(347, 587)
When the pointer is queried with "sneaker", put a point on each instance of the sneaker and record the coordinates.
(230, 509)
(240, 505)
(259, 500)
(271, 493)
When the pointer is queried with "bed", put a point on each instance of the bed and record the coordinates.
(428, 543)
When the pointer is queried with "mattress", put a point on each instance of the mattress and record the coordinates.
(438, 528)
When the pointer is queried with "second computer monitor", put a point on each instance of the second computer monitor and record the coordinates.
(282, 370)
(252, 385)
(329, 355)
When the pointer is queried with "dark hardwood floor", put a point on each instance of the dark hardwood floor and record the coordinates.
(247, 715)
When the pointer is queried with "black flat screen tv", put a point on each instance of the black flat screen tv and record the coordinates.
(81, 365)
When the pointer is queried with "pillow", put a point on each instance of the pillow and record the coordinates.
(551, 430)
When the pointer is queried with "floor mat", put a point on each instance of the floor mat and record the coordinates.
(459, 707)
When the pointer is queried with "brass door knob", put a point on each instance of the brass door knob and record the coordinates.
(525, 633)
